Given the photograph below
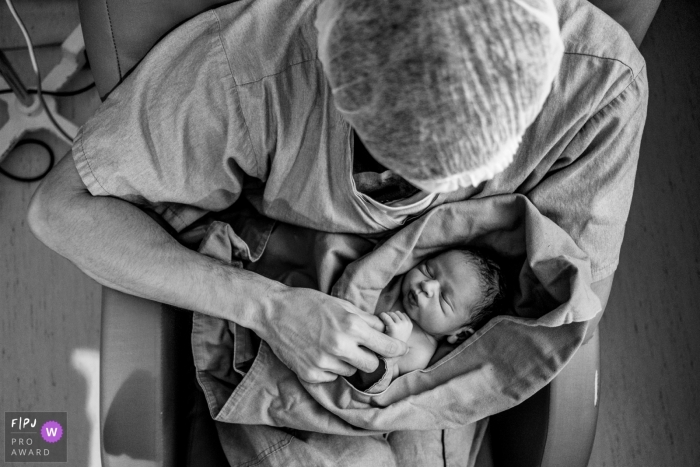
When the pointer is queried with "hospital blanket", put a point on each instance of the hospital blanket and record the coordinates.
(506, 361)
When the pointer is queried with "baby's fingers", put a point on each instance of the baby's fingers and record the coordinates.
(400, 316)
(388, 321)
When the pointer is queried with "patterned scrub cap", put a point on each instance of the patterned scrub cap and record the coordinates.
(440, 91)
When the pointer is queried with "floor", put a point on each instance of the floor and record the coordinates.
(49, 310)
(650, 396)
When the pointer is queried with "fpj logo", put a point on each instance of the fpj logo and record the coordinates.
(36, 436)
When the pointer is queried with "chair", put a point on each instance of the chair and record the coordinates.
(150, 409)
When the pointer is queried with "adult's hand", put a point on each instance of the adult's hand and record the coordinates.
(117, 244)
(320, 337)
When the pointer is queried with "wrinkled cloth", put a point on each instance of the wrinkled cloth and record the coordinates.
(502, 364)
(441, 91)
(234, 103)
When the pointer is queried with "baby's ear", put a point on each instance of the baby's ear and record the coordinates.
(460, 334)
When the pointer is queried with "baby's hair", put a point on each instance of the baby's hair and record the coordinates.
(492, 282)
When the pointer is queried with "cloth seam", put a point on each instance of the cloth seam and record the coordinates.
(114, 40)
(87, 161)
(209, 394)
(246, 384)
(616, 98)
(632, 81)
(202, 377)
(604, 271)
(380, 382)
(223, 47)
(609, 267)
(263, 244)
(238, 103)
(264, 454)
(287, 68)
(603, 58)
(595, 116)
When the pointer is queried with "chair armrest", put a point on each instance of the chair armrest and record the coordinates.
(144, 359)
(556, 426)
(573, 408)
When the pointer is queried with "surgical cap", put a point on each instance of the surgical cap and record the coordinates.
(440, 91)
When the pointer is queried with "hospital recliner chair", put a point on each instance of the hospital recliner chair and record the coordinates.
(150, 412)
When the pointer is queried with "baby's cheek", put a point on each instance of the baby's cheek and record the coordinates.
(423, 318)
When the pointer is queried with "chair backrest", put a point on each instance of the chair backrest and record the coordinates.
(634, 15)
(118, 34)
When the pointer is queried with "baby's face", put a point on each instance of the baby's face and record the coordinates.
(440, 293)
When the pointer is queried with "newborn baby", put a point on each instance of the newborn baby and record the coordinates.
(443, 297)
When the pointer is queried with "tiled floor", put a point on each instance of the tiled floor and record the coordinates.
(650, 343)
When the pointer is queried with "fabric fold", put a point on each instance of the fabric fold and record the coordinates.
(506, 361)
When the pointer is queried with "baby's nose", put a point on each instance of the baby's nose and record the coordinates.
(429, 287)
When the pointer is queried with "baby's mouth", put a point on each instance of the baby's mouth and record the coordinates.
(412, 299)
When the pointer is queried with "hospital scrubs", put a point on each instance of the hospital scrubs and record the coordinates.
(234, 104)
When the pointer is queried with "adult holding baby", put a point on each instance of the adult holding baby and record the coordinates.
(441, 93)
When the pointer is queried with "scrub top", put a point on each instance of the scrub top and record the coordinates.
(235, 103)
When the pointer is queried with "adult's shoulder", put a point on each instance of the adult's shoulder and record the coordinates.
(262, 38)
(599, 54)
(577, 160)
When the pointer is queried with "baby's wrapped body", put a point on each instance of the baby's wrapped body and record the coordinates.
(504, 362)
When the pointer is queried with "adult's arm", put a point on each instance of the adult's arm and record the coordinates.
(120, 246)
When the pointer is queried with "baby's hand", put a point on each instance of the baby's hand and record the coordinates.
(398, 325)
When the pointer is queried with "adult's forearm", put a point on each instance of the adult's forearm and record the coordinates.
(317, 336)
(120, 246)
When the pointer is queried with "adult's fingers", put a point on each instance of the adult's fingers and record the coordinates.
(340, 368)
(372, 320)
(383, 344)
(360, 358)
(317, 376)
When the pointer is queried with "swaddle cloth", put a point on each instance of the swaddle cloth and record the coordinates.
(506, 361)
